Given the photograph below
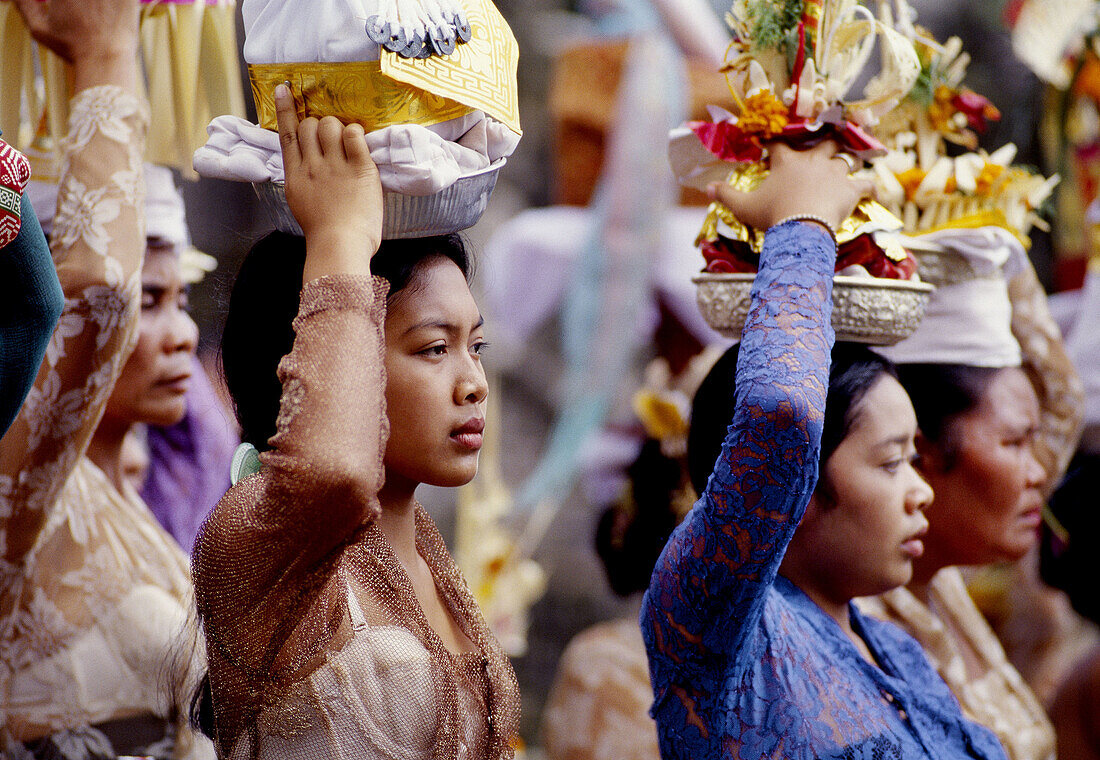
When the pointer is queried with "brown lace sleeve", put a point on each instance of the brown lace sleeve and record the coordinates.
(1061, 394)
(97, 246)
(268, 546)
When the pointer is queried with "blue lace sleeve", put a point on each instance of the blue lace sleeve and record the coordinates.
(709, 585)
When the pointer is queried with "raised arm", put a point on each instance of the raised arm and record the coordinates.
(319, 481)
(31, 302)
(98, 243)
(708, 587)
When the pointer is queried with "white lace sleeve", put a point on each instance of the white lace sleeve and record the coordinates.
(98, 243)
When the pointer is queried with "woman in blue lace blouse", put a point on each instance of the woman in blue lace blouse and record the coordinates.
(754, 648)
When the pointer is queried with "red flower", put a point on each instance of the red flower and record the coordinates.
(976, 108)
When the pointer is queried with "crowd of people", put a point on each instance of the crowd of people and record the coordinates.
(798, 554)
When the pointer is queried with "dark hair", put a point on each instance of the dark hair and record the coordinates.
(941, 393)
(853, 371)
(632, 532)
(258, 328)
(1070, 561)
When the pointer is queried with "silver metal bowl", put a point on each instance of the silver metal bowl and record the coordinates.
(453, 208)
(869, 310)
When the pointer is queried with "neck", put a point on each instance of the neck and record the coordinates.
(398, 518)
(105, 448)
(835, 608)
(807, 576)
(926, 567)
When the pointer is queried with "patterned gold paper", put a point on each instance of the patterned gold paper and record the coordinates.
(480, 73)
(354, 92)
(869, 216)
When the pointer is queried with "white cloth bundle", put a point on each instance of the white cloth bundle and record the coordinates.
(305, 31)
(412, 159)
(967, 322)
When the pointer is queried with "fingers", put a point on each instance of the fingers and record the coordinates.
(741, 204)
(865, 187)
(355, 144)
(286, 114)
(330, 134)
(308, 141)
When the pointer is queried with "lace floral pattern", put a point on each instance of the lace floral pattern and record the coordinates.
(94, 595)
(743, 664)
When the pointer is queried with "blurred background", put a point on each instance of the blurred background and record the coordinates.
(583, 271)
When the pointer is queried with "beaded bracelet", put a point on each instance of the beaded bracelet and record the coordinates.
(810, 218)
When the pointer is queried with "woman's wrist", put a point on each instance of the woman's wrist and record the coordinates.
(337, 251)
(813, 219)
(116, 68)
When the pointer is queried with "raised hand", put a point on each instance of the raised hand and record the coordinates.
(332, 187)
(98, 37)
(813, 181)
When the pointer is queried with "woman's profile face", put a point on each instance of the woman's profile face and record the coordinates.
(155, 378)
(988, 503)
(864, 542)
(435, 384)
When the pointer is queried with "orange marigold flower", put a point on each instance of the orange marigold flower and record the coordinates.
(910, 180)
(764, 113)
(988, 177)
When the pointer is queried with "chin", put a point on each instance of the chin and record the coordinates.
(163, 415)
(889, 580)
(459, 476)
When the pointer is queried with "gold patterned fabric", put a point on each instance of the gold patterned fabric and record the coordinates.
(355, 92)
(599, 704)
(317, 644)
(966, 653)
(95, 596)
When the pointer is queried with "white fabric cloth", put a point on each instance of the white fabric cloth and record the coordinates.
(967, 322)
(301, 31)
(412, 159)
(165, 217)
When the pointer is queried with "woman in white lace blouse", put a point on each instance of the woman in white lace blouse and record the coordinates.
(94, 595)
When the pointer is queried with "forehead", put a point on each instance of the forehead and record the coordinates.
(1009, 399)
(884, 413)
(437, 292)
(162, 265)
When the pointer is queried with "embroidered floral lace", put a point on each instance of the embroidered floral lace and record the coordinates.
(94, 595)
(317, 645)
(743, 664)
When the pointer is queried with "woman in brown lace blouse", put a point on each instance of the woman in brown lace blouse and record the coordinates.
(337, 624)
